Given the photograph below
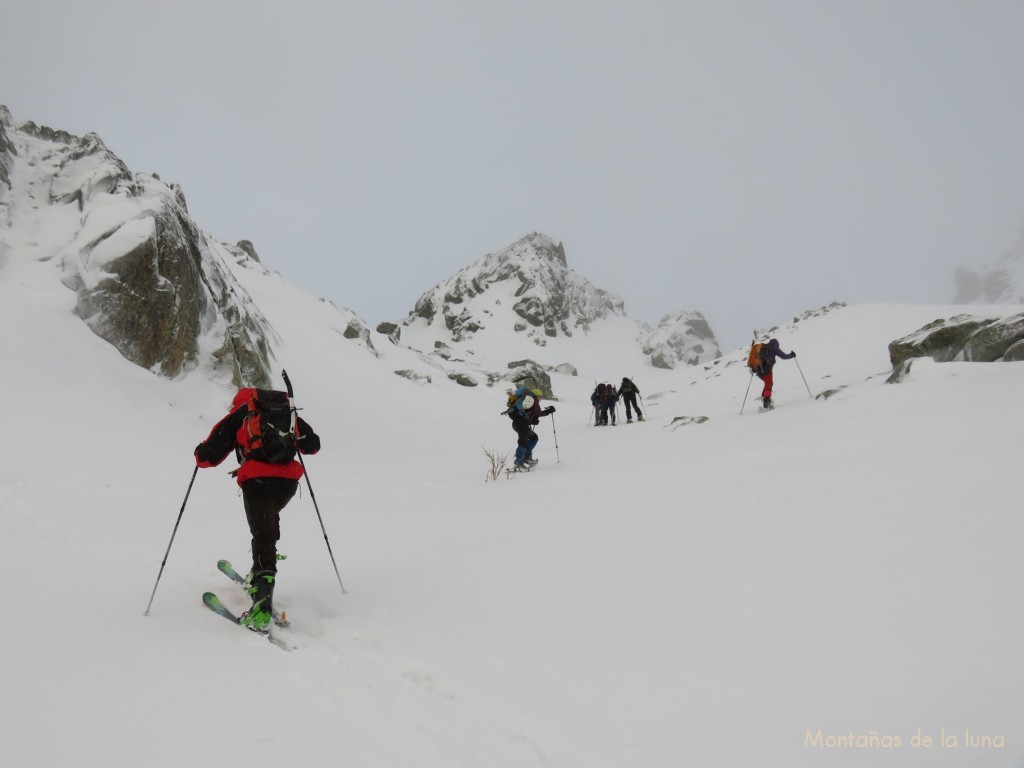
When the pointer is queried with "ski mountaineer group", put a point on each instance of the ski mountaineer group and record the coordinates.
(605, 398)
(264, 432)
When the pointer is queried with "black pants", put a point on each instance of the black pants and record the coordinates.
(264, 498)
(630, 400)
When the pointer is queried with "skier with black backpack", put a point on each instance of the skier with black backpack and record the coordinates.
(264, 431)
(629, 392)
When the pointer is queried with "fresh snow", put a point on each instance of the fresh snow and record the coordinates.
(652, 595)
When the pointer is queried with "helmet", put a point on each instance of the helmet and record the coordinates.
(528, 402)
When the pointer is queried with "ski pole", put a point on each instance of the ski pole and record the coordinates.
(173, 534)
(751, 375)
(309, 485)
(746, 393)
(320, 518)
(558, 459)
(803, 377)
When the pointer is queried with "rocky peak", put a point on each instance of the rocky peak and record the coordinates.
(526, 286)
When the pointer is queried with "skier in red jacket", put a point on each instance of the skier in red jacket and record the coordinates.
(268, 480)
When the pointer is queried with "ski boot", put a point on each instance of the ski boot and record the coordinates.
(261, 589)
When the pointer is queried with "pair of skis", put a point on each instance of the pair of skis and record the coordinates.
(211, 601)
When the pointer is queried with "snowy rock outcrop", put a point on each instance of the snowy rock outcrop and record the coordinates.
(147, 279)
(529, 374)
(682, 337)
(965, 338)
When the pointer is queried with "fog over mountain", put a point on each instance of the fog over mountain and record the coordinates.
(832, 581)
(1001, 282)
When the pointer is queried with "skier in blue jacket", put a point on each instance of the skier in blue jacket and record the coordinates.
(523, 421)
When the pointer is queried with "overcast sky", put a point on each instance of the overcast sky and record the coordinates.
(748, 159)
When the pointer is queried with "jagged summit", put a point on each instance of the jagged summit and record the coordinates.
(526, 287)
(525, 296)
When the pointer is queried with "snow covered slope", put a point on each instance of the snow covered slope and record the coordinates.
(656, 594)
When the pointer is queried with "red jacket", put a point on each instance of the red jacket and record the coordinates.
(228, 435)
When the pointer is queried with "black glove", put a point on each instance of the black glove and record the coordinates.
(549, 409)
(201, 453)
(308, 443)
(794, 353)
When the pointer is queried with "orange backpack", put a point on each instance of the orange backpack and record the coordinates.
(755, 359)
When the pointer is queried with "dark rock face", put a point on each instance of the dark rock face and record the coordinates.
(162, 295)
(356, 330)
(942, 340)
(244, 245)
(147, 280)
(7, 151)
(1015, 353)
(151, 306)
(993, 341)
(963, 337)
(392, 330)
